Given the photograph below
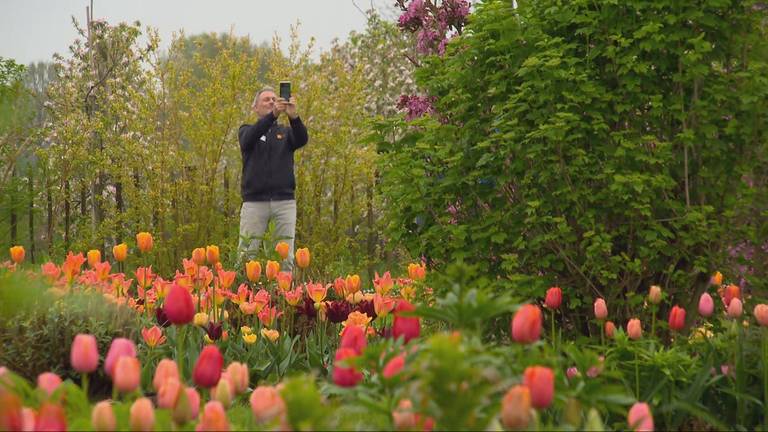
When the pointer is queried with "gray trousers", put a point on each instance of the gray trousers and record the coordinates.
(254, 219)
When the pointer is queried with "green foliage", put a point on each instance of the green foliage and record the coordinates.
(603, 146)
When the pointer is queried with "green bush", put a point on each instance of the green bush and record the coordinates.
(603, 146)
(37, 328)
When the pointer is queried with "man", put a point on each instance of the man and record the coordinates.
(268, 181)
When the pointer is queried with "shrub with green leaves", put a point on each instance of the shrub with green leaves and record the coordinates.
(605, 146)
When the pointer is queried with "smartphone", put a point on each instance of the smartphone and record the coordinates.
(285, 90)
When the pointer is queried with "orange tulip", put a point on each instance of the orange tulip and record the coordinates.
(226, 278)
(340, 287)
(293, 296)
(382, 305)
(253, 270)
(416, 271)
(17, 254)
(383, 284)
(273, 268)
(84, 354)
(144, 241)
(527, 324)
(120, 252)
(317, 291)
(266, 404)
(142, 415)
(352, 284)
(731, 292)
(516, 408)
(610, 329)
(634, 329)
(94, 257)
(284, 280)
(716, 279)
(271, 335)
(153, 336)
(282, 249)
(302, 257)
(212, 254)
(144, 276)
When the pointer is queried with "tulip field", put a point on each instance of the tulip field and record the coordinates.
(246, 349)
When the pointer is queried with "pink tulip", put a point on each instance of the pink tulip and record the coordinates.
(48, 382)
(735, 308)
(51, 417)
(127, 374)
(394, 366)
(345, 376)
(142, 415)
(266, 404)
(540, 381)
(601, 309)
(84, 354)
(761, 314)
(103, 417)
(120, 347)
(634, 329)
(353, 336)
(572, 372)
(610, 329)
(640, 418)
(214, 418)
(238, 375)
(527, 324)
(169, 393)
(166, 369)
(706, 305)
(554, 298)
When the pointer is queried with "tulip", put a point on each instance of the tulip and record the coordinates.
(127, 374)
(94, 257)
(51, 271)
(735, 308)
(572, 372)
(394, 366)
(270, 335)
(610, 329)
(120, 252)
(28, 419)
(282, 249)
(48, 382)
(382, 305)
(706, 305)
(554, 298)
(169, 393)
(250, 338)
(226, 278)
(408, 327)
(144, 241)
(302, 257)
(266, 404)
(601, 309)
(640, 418)
(17, 254)
(345, 376)
(103, 417)
(716, 279)
(253, 270)
(142, 415)
(208, 367)
(187, 406)
(317, 292)
(273, 268)
(353, 337)
(11, 416)
(416, 271)
(761, 314)
(166, 369)
(200, 319)
(340, 287)
(238, 375)
(152, 336)
(540, 381)
(634, 329)
(516, 408)
(212, 254)
(383, 285)
(179, 306)
(214, 418)
(268, 315)
(293, 297)
(84, 354)
(352, 284)
(654, 295)
(51, 417)
(119, 347)
(223, 392)
(284, 280)
(676, 318)
(526, 324)
(731, 292)
(199, 256)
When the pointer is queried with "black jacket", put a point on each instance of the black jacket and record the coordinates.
(267, 150)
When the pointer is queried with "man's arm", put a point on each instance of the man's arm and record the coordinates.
(299, 135)
(249, 135)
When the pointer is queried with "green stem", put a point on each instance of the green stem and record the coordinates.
(739, 373)
(552, 315)
(180, 336)
(653, 323)
(637, 376)
(84, 384)
(765, 377)
(602, 332)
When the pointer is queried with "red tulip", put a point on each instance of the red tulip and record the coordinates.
(706, 305)
(554, 298)
(640, 418)
(540, 381)
(731, 292)
(676, 318)
(601, 309)
(408, 327)
(179, 307)
(526, 325)
(345, 376)
(208, 367)
(120, 347)
(394, 366)
(353, 336)
(51, 418)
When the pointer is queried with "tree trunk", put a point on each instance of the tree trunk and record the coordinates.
(14, 221)
(49, 206)
(66, 214)
(31, 189)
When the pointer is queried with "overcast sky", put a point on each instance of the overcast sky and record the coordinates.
(32, 30)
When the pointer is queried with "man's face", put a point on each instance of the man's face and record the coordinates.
(265, 103)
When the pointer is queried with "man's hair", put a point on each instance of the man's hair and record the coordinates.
(258, 93)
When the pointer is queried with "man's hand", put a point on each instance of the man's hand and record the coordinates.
(290, 108)
(279, 107)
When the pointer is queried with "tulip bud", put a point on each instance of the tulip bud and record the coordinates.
(142, 415)
(540, 381)
(212, 254)
(48, 382)
(353, 337)
(84, 354)
(187, 406)
(654, 295)
(516, 408)
(394, 366)
(676, 318)
(266, 404)
(735, 308)
(273, 268)
(103, 417)
(119, 347)
(634, 329)
(208, 367)
(51, 417)
(94, 257)
(731, 292)
(214, 418)
(610, 329)
(223, 392)
(165, 370)
(17, 254)
(601, 309)
(127, 375)
(716, 279)
(706, 305)
(120, 252)
(408, 327)
(169, 393)
(345, 376)
(238, 375)
(527, 324)
(302, 257)
(253, 270)
(282, 249)
(640, 418)
(761, 314)
(179, 307)
(144, 241)
(554, 298)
